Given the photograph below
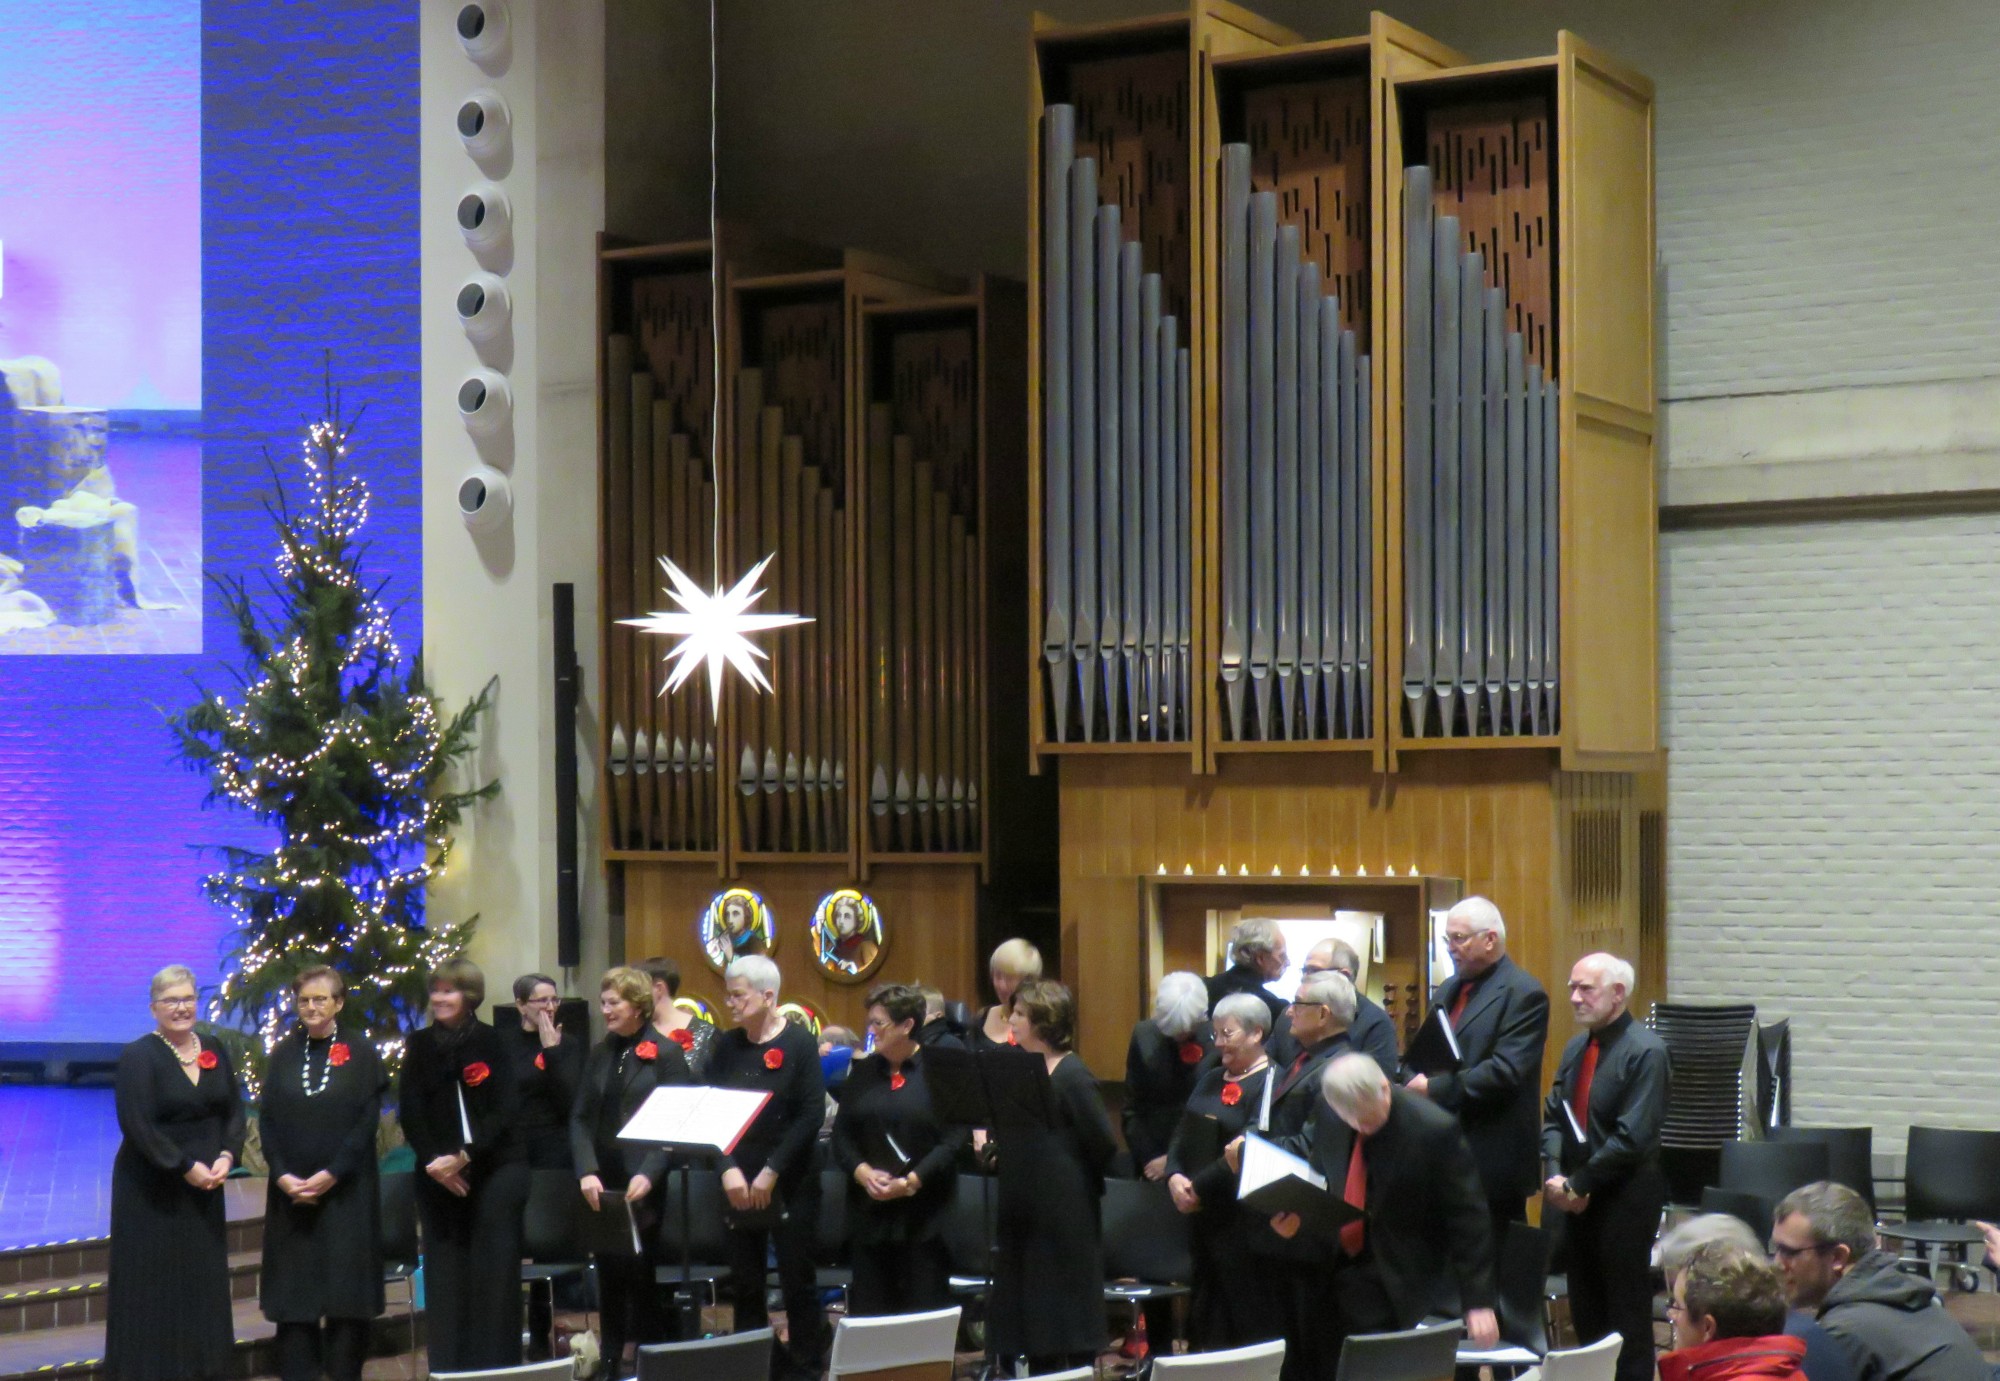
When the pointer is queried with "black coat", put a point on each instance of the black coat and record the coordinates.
(1241, 978)
(1159, 1077)
(1428, 1232)
(1497, 1095)
(1628, 1107)
(619, 1075)
(324, 1260)
(439, 1068)
(1373, 1034)
(872, 1112)
(547, 1079)
(169, 1311)
(781, 1136)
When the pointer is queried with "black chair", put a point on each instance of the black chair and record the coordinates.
(1850, 1154)
(834, 1265)
(1949, 1177)
(1521, 1278)
(1414, 1354)
(1771, 1169)
(1148, 1254)
(966, 1236)
(1752, 1210)
(731, 1357)
(398, 1239)
(549, 1240)
(706, 1239)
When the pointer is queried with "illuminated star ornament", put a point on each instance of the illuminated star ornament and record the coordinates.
(712, 629)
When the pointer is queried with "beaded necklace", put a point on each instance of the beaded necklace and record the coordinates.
(187, 1061)
(305, 1069)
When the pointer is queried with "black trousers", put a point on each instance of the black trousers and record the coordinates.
(332, 1348)
(632, 1305)
(472, 1269)
(792, 1239)
(1329, 1303)
(1610, 1247)
(899, 1277)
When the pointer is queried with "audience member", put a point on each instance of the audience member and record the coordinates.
(1825, 1359)
(1728, 1313)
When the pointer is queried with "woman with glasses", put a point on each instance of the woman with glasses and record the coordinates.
(1233, 1303)
(319, 1114)
(898, 1160)
(461, 1112)
(546, 1067)
(182, 1119)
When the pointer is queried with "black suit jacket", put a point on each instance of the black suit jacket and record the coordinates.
(873, 1113)
(1241, 978)
(1628, 1106)
(602, 1080)
(1158, 1082)
(440, 1067)
(1429, 1232)
(1373, 1034)
(1497, 1095)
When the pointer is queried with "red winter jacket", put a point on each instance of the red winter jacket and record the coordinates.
(1775, 1358)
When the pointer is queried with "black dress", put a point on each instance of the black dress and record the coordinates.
(1048, 1288)
(453, 1079)
(169, 1312)
(1235, 1303)
(885, 1120)
(619, 1076)
(781, 1136)
(547, 1080)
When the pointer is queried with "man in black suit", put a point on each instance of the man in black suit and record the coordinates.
(1500, 1015)
(1256, 956)
(1426, 1247)
(1606, 1187)
(1372, 1031)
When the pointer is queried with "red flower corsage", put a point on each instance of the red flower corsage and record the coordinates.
(682, 1037)
(1190, 1052)
(476, 1074)
(897, 1080)
(540, 1063)
(1012, 1039)
(646, 1050)
(339, 1054)
(207, 1059)
(1232, 1094)
(774, 1058)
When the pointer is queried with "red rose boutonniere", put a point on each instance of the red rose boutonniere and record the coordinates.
(646, 1050)
(540, 1063)
(897, 1080)
(476, 1074)
(1190, 1052)
(207, 1059)
(339, 1054)
(1012, 1039)
(774, 1058)
(1232, 1094)
(682, 1037)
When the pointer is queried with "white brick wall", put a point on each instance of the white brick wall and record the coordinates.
(1833, 708)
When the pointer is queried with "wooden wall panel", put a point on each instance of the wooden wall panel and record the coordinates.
(927, 911)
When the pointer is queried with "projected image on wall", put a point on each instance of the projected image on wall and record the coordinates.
(100, 328)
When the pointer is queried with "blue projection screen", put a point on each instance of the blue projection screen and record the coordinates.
(199, 203)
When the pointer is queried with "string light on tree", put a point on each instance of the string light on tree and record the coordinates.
(335, 745)
(713, 630)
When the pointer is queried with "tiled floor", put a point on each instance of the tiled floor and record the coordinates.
(162, 475)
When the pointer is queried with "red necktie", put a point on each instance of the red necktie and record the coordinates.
(1458, 1003)
(1298, 1063)
(1580, 1102)
(1354, 1235)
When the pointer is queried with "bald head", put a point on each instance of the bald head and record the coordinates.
(1600, 988)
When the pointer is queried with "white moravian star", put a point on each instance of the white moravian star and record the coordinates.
(711, 629)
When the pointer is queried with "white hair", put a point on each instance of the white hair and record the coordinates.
(1248, 1011)
(1697, 1232)
(1352, 1082)
(1258, 935)
(1180, 1004)
(755, 969)
(172, 975)
(1480, 916)
(1611, 969)
(1336, 990)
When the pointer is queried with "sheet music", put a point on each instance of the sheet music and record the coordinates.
(695, 1115)
(464, 1122)
(1264, 1112)
(1264, 1163)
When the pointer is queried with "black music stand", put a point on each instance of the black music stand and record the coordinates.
(1001, 1090)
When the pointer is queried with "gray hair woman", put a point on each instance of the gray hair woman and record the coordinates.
(181, 1113)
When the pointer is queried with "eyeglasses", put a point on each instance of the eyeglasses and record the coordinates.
(1295, 1002)
(1460, 941)
(176, 1004)
(1785, 1253)
(549, 1001)
(316, 1001)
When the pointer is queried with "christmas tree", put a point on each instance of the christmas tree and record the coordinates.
(333, 742)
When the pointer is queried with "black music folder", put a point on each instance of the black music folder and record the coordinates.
(1434, 1049)
(613, 1230)
(1274, 1181)
(1200, 1140)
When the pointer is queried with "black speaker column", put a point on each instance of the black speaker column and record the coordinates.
(569, 929)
